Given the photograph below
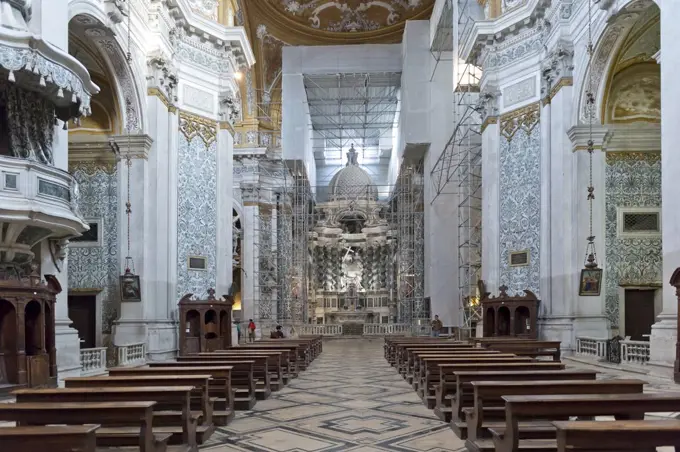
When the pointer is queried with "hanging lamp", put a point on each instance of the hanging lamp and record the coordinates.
(591, 275)
(130, 287)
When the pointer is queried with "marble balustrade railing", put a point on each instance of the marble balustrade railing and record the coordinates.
(93, 361)
(592, 346)
(132, 354)
(635, 352)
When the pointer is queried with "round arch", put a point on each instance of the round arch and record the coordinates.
(93, 26)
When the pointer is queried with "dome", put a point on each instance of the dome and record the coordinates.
(352, 182)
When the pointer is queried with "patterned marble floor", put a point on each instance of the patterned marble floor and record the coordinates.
(350, 399)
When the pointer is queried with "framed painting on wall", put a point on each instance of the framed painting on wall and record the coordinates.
(591, 282)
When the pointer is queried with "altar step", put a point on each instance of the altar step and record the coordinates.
(352, 329)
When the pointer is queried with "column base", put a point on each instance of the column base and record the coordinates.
(129, 331)
(67, 343)
(558, 328)
(162, 340)
(662, 346)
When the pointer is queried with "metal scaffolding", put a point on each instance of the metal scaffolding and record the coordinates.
(458, 171)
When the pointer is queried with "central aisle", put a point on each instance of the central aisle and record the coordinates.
(350, 399)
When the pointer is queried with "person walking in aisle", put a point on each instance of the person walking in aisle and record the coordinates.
(251, 330)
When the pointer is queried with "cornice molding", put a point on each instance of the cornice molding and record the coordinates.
(644, 137)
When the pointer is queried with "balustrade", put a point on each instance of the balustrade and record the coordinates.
(592, 346)
(132, 354)
(635, 352)
(93, 361)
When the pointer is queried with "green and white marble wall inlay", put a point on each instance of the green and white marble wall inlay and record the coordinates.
(632, 180)
(196, 214)
(98, 267)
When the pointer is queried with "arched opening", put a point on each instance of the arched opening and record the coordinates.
(225, 329)
(631, 112)
(49, 340)
(8, 343)
(522, 321)
(212, 332)
(193, 324)
(490, 322)
(503, 321)
(33, 329)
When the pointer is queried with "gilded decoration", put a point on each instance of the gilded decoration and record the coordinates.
(155, 92)
(635, 95)
(91, 167)
(193, 125)
(525, 118)
(623, 156)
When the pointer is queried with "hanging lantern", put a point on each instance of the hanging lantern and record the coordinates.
(591, 276)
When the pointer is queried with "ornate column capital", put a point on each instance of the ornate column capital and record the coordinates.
(133, 146)
(162, 79)
(488, 105)
(557, 69)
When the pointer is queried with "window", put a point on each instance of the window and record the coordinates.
(198, 263)
(11, 181)
(519, 258)
(639, 222)
(90, 238)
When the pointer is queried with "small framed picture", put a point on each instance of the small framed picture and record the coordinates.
(591, 282)
(129, 288)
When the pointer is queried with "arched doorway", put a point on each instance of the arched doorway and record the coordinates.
(237, 262)
(504, 324)
(8, 343)
(490, 322)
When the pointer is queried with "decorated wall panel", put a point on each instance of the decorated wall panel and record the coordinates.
(95, 266)
(632, 180)
(520, 198)
(196, 206)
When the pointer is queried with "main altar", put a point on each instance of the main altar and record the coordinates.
(353, 249)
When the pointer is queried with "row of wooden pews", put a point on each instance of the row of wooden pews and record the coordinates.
(171, 406)
(512, 395)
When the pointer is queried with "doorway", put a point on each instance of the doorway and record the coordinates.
(639, 314)
(82, 310)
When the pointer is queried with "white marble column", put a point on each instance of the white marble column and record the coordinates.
(664, 331)
(225, 176)
(130, 328)
(490, 195)
(50, 20)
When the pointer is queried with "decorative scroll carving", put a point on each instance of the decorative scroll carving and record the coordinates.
(192, 125)
(524, 118)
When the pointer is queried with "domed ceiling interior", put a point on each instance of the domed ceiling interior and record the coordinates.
(346, 109)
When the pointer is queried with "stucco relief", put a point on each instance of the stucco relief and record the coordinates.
(631, 180)
(196, 213)
(98, 267)
(520, 204)
(353, 15)
(199, 99)
(206, 8)
(519, 92)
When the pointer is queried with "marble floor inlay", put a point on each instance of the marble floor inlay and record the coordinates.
(350, 399)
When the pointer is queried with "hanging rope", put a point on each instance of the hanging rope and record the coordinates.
(129, 263)
(591, 255)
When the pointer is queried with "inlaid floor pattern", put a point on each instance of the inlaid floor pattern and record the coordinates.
(350, 399)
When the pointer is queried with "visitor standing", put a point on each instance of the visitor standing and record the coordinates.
(251, 330)
(437, 326)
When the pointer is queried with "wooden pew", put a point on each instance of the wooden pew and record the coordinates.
(430, 371)
(299, 353)
(123, 423)
(260, 370)
(533, 349)
(548, 407)
(402, 350)
(220, 385)
(617, 435)
(200, 395)
(458, 395)
(411, 364)
(67, 438)
(393, 346)
(488, 396)
(277, 361)
(182, 424)
(243, 382)
(417, 359)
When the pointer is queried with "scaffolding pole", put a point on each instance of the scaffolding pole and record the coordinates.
(458, 171)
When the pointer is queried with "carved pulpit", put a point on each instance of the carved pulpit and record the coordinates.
(27, 340)
(205, 325)
(675, 282)
(510, 316)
